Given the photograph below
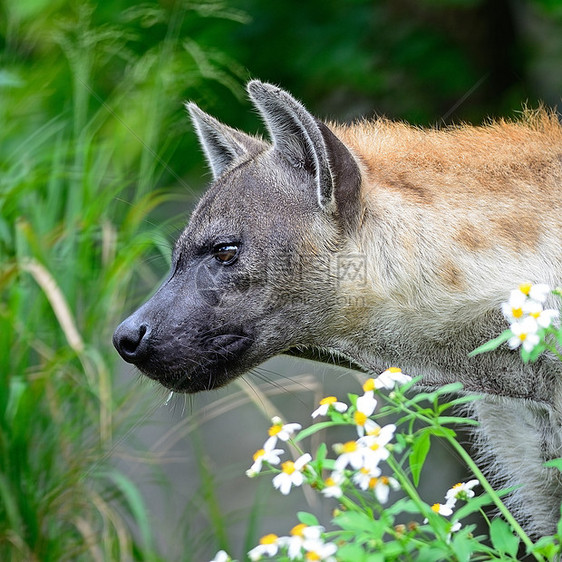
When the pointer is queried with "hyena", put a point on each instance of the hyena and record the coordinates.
(376, 243)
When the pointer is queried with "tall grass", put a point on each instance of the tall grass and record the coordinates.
(80, 157)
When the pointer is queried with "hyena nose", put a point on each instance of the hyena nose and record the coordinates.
(131, 340)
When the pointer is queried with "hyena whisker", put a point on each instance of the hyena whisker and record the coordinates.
(254, 391)
(265, 378)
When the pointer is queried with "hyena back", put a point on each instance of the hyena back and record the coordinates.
(379, 243)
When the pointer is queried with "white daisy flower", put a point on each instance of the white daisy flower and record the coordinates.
(525, 334)
(365, 405)
(326, 404)
(538, 291)
(455, 527)
(513, 309)
(461, 491)
(443, 509)
(381, 486)
(291, 474)
(390, 378)
(269, 546)
(221, 556)
(267, 454)
(362, 478)
(352, 453)
(281, 431)
(375, 442)
(299, 535)
(333, 485)
(319, 550)
(543, 317)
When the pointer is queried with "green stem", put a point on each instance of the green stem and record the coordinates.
(408, 487)
(485, 484)
(496, 499)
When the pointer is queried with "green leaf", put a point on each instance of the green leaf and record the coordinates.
(307, 431)
(431, 396)
(463, 548)
(492, 344)
(554, 463)
(307, 518)
(352, 552)
(450, 388)
(456, 420)
(393, 549)
(136, 503)
(459, 400)
(547, 546)
(474, 504)
(533, 355)
(440, 431)
(503, 538)
(321, 452)
(432, 553)
(358, 521)
(420, 449)
(404, 505)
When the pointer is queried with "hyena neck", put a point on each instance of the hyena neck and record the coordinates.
(417, 298)
(399, 313)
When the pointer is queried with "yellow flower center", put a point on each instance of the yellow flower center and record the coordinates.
(369, 385)
(385, 480)
(375, 447)
(436, 507)
(535, 314)
(364, 470)
(328, 400)
(298, 530)
(394, 370)
(269, 539)
(311, 555)
(288, 467)
(259, 453)
(457, 485)
(517, 312)
(373, 482)
(522, 337)
(275, 429)
(360, 418)
(525, 288)
(349, 447)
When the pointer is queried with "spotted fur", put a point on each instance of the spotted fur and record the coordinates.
(380, 243)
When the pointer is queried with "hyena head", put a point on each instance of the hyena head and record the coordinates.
(252, 274)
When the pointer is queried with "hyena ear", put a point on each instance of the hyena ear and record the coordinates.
(222, 144)
(295, 134)
(308, 143)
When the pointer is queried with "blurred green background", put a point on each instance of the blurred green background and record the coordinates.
(99, 168)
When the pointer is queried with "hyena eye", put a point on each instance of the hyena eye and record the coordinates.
(225, 253)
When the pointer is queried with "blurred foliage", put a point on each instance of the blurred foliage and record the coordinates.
(96, 153)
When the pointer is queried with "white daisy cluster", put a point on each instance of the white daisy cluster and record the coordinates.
(363, 455)
(291, 471)
(305, 542)
(461, 491)
(527, 316)
(356, 466)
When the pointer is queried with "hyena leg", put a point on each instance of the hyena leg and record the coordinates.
(515, 438)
